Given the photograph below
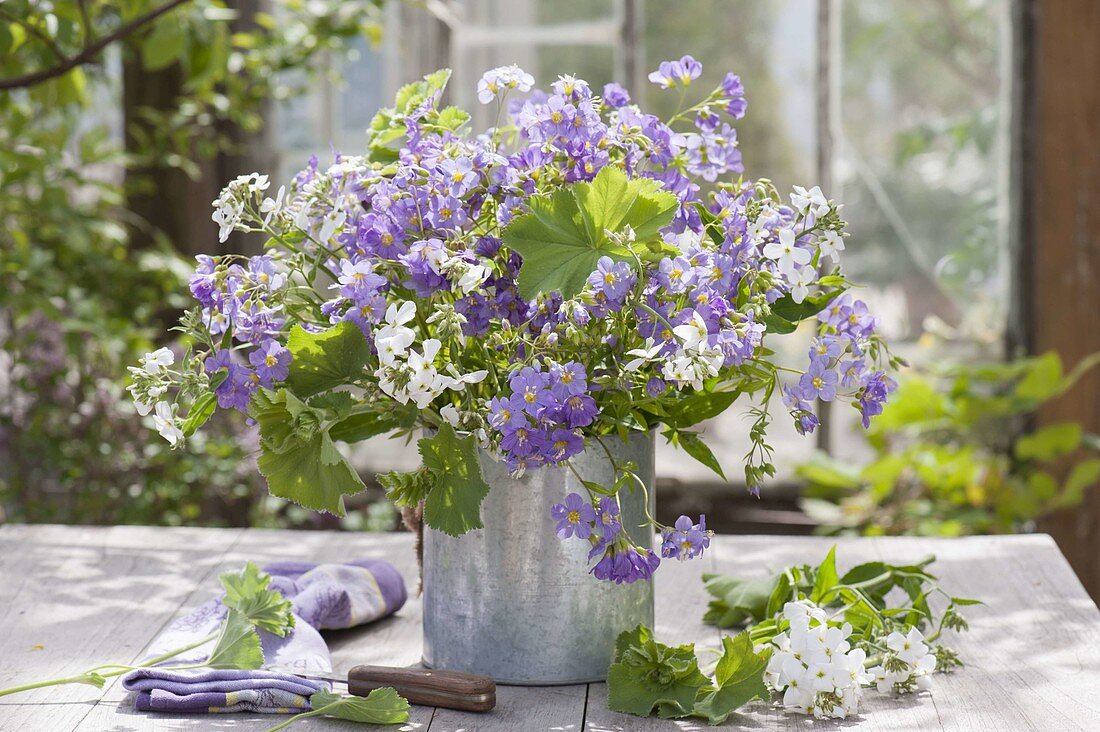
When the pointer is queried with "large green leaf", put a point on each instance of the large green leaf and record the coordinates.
(247, 592)
(693, 445)
(738, 678)
(325, 360)
(238, 645)
(1050, 442)
(381, 706)
(563, 235)
(453, 504)
(298, 458)
(647, 675)
(737, 600)
(693, 409)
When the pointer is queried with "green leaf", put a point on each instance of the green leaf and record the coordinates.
(407, 488)
(1085, 474)
(359, 427)
(563, 235)
(381, 706)
(453, 504)
(299, 460)
(693, 445)
(164, 44)
(647, 675)
(201, 411)
(1042, 378)
(238, 644)
(737, 600)
(247, 592)
(738, 678)
(825, 579)
(1050, 442)
(322, 361)
(698, 407)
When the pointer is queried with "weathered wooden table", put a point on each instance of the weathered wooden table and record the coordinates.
(73, 597)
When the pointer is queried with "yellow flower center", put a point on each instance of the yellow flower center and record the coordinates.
(270, 360)
(818, 382)
(556, 117)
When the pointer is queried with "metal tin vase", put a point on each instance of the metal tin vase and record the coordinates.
(514, 602)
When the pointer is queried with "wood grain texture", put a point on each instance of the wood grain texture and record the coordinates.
(1063, 247)
(91, 595)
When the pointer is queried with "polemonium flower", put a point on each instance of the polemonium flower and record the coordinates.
(670, 74)
(574, 516)
(819, 382)
(686, 540)
(734, 92)
(579, 410)
(608, 520)
(271, 361)
(613, 279)
(615, 96)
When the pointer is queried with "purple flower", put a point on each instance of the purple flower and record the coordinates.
(612, 279)
(574, 517)
(626, 564)
(615, 95)
(655, 387)
(608, 519)
(579, 410)
(506, 412)
(236, 390)
(819, 382)
(520, 441)
(561, 445)
(676, 73)
(872, 397)
(734, 92)
(686, 540)
(204, 281)
(568, 379)
(532, 389)
(271, 361)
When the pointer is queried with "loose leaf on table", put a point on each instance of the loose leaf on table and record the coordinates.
(738, 679)
(247, 592)
(564, 234)
(381, 706)
(647, 675)
(298, 458)
(322, 361)
(238, 645)
(453, 503)
(826, 579)
(737, 600)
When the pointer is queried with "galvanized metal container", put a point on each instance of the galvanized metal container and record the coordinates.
(514, 602)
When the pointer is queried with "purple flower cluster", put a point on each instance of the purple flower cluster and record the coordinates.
(840, 363)
(620, 560)
(539, 422)
(244, 302)
(685, 540)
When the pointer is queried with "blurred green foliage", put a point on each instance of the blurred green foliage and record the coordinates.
(78, 303)
(949, 457)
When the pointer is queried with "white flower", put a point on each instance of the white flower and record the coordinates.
(330, 224)
(353, 273)
(831, 245)
(496, 82)
(813, 665)
(270, 207)
(392, 339)
(450, 415)
(471, 279)
(800, 287)
(649, 352)
(911, 664)
(813, 201)
(788, 256)
(165, 421)
(143, 407)
(158, 360)
(692, 334)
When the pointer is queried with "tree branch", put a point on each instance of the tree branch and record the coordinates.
(89, 52)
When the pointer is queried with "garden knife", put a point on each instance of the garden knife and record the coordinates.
(450, 689)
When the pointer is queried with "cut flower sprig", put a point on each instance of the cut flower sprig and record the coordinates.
(581, 272)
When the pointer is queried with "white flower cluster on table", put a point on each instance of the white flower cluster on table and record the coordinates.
(816, 669)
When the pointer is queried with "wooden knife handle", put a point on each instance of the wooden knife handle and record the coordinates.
(450, 689)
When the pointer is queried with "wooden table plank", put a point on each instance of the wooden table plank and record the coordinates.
(99, 594)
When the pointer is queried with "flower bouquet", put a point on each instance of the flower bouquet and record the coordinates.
(577, 275)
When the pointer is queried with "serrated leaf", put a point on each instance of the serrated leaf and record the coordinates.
(407, 488)
(563, 235)
(381, 706)
(453, 505)
(299, 459)
(648, 675)
(238, 645)
(322, 361)
(247, 592)
(738, 678)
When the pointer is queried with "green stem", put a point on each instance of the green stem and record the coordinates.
(81, 679)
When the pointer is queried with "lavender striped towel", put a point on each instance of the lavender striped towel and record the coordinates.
(323, 596)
